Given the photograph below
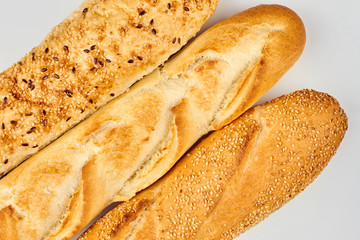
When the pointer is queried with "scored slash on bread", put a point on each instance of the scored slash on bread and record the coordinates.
(236, 176)
(134, 140)
(94, 55)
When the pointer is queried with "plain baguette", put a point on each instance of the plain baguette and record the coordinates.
(135, 139)
(235, 177)
(96, 54)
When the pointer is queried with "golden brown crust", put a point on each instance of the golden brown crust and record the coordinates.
(93, 56)
(278, 30)
(135, 139)
(238, 175)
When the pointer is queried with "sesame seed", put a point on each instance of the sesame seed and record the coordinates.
(45, 77)
(91, 101)
(3, 126)
(24, 80)
(130, 61)
(92, 69)
(20, 63)
(13, 122)
(112, 94)
(142, 12)
(152, 22)
(35, 146)
(95, 60)
(44, 112)
(68, 93)
(169, 5)
(24, 144)
(56, 76)
(6, 161)
(139, 26)
(140, 58)
(87, 50)
(31, 130)
(101, 63)
(44, 70)
(179, 40)
(108, 60)
(66, 48)
(174, 41)
(5, 100)
(28, 114)
(45, 123)
(186, 9)
(153, 31)
(55, 59)
(92, 47)
(73, 70)
(47, 50)
(68, 119)
(30, 85)
(85, 10)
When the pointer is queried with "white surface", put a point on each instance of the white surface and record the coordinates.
(327, 209)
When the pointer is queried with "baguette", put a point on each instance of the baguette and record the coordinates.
(235, 177)
(135, 139)
(96, 54)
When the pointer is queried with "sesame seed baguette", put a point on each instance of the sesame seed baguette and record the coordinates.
(96, 54)
(235, 177)
(134, 140)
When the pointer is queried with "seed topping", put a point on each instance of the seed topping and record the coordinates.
(68, 93)
(31, 130)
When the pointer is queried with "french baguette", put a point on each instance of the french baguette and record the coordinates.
(235, 177)
(134, 140)
(96, 54)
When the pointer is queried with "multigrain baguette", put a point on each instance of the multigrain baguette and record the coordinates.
(135, 139)
(235, 177)
(96, 54)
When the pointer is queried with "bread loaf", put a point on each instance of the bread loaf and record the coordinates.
(96, 54)
(135, 139)
(235, 177)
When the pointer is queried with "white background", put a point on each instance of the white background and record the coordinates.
(329, 209)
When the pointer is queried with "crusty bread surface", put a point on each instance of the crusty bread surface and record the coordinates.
(235, 177)
(134, 140)
(96, 54)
